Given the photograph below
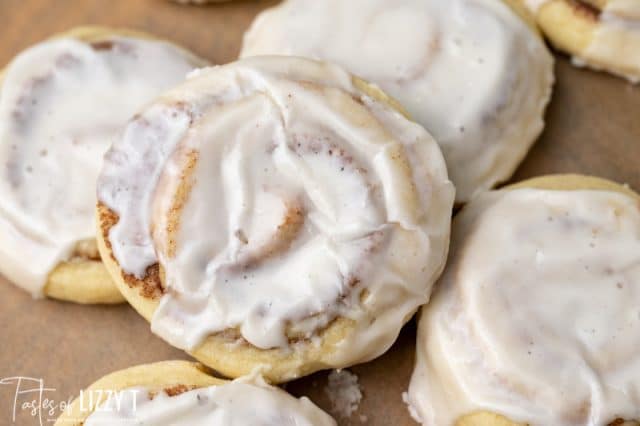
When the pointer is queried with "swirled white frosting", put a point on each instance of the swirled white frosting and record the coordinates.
(537, 315)
(471, 71)
(61, 104)
(308, 200)
(243, 402)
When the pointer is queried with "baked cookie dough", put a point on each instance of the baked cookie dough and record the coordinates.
(475, 73)
(180, 393)
(62, 102)
(536, 319)
(275, 214)
(600, 34)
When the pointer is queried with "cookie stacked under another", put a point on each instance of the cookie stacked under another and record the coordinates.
(62, 102)
(475, 73)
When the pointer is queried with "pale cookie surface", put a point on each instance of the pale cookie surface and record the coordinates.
(277, 197)
(62, 102)
(537, 315)
(243, 402)
(471, 71)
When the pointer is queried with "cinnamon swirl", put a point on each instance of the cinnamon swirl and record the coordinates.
(180, 393)
(475, 73)
(600, 34)
(61, 103)
(275, 213)
(536, 319)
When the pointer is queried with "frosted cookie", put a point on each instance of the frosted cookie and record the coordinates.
(180, 393)
(475, 73)
(275, 213)
(601, 34)
(62, 102)
(536, 319)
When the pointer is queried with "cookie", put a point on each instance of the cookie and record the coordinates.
(535, 319)
(183, 393)
(600, 34)
(62, 102)
(475, 73)
(275, 214)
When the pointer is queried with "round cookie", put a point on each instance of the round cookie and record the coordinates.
(46, 214)
(600, 34)
(331, 213)
(497, 374)
(475, 73)
(179, 391)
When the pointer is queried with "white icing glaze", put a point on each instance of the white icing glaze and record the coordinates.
(537, 315)
(471, 71)
(370, 188)
(625, 8)
(616, 41)
(62, 102)
(243, 402)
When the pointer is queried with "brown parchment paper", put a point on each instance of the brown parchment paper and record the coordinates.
(593, 127)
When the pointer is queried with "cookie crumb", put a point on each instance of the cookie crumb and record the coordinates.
(344, 393)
